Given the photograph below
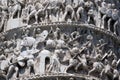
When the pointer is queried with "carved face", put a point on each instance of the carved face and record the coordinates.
(38, 30)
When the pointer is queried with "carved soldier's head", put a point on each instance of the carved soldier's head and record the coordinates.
(89, 37)
(38, 30)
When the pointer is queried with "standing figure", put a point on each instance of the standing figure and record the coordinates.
(40, 12)
(102, 11)
(69, 13)
(17, 9)
(89, 6)
(4, 15)
(97, 67)
(31, 10)
(80, 14)
(115, 20)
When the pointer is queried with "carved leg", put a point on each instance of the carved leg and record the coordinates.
(85, 67)
(78, 16)
(30, 15)
(15, 75)
(37, 65)
(2, 23)
(109, 21)
(10, 72)
(36, 15)
(76, 68)
(115, 26)
(102, 73)
(103, 22)
(18, 15)
(14, 12)
(88, 20)
(64, 16)
(73, 15)
(70, 66)
(36, 18)
(50, 68)
(91, 71)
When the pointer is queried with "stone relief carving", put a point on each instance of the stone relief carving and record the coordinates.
(100, 12)
(58, 55)
(55, 50)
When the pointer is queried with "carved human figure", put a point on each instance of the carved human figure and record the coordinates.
(115, 19)
(110, 56)
(60, 43)
(27, 56)
(26, 32)
(98, 50)
(102, 9)
(73, 41)
(68, 2)
(16, 9)
(65, 37)
(60, 15)
(54, 65)
(106, 17)
(69, 11)
(73, 59)
(40, 12)
(91, 16)
(107, 71)
(31, 10)
(97, 67)
(77, 3)
(5, 65)
(28, 42)
(82, 64)
(115, 63)
(50, 43)
(56, 62)
(80, 14)
(72, 64)
(88, 45)
(57, 33)
(30, 64)
(54, 10)
(89, 6)
(13, 68)
(116, 74)
(40, 36)
(4, 16)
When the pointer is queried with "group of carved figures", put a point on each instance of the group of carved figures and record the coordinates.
(101, 13)
(66, 53)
